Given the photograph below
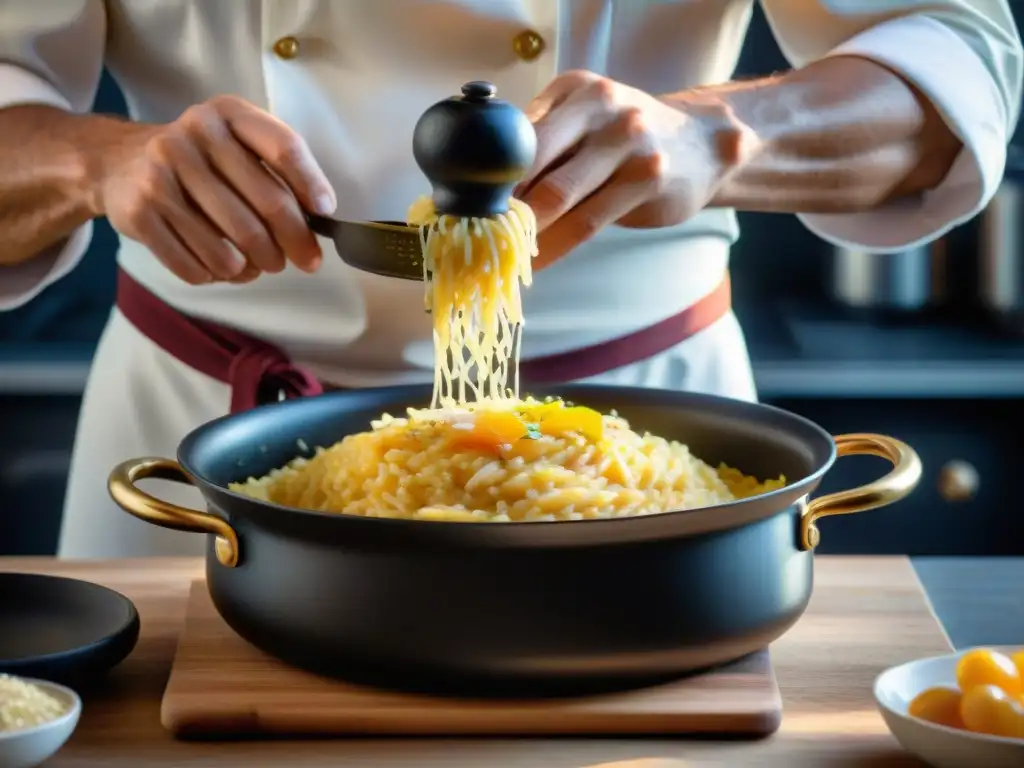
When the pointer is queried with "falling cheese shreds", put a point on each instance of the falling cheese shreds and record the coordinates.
(473, 269)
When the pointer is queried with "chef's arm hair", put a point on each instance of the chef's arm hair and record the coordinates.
(893, 127)
(841, 135)
(50, 159)
(51, 62)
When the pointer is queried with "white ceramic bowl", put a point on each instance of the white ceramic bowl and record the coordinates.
(31, 746)
(938, 745)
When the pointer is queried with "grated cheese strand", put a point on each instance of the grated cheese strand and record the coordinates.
(473, 269)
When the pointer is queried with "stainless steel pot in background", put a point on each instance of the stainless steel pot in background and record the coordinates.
(1001, 251)
(905, 282)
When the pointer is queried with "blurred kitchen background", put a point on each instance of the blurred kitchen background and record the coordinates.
(926, 346)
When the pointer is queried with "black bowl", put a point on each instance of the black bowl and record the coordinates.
(513, 608)
(63, 630)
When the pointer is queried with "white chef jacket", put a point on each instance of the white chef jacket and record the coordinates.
(362, 74)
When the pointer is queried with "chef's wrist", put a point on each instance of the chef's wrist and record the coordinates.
(53, 157)
(112, 145)
(716, 139)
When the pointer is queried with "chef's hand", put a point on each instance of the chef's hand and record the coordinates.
(223, 173)
(609, 153)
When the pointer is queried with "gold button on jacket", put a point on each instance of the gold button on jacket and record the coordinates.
(287, 48)
(528, 45)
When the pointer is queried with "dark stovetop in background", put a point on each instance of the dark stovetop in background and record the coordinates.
(807, 348)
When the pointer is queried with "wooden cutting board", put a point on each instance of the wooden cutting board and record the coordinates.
(220, 686)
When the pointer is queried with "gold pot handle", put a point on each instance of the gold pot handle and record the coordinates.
(123, 489)
(904, 477)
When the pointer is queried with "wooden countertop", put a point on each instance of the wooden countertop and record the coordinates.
(865, 616)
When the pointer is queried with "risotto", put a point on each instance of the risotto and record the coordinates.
(519, 462)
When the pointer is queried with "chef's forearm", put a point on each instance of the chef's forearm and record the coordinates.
(48, 162)
(841, 135)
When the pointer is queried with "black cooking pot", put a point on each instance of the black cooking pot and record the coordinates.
(509, 608)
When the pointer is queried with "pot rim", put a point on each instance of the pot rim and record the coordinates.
(656, 397)
(227, 507)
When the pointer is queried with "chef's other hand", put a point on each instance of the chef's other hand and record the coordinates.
(609, 153)
(223, 174)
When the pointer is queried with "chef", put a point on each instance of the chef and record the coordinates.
(891, 129)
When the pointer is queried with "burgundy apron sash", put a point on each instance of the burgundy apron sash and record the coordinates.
(254, 370)
(259, 372)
